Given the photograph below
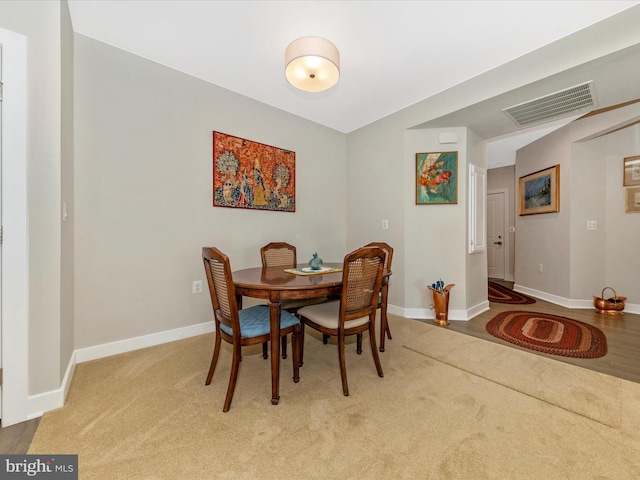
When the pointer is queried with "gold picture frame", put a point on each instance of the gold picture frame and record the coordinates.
(633, 200)
(631, 171)
(539, 192)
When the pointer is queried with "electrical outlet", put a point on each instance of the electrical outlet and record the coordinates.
(196, 286)
(385, 224)
(540, 267)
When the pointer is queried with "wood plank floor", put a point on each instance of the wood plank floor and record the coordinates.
(16, 439)
(622, 359)
(623, 336)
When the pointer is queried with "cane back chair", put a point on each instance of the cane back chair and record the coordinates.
(355, 312)
(384, 291)
(244, 327)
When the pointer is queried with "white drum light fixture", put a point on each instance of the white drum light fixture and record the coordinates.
(312, 64)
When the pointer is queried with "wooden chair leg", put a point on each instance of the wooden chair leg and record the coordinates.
(284, 347)
(358, 343)
(214, 359)
(265, 350)
(301, 359)
(384, 327)
(374, 349)
(343, 365)
(235, 366)
(295, 345)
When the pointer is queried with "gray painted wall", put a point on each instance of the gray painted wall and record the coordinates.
(40, 22)
(429, 241)
(143, 192)
(67, 254)
(578, 263)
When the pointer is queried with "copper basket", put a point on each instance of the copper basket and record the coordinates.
(610, 306)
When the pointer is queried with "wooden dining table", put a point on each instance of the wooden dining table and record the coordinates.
(275, 285)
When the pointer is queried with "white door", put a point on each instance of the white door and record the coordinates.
(495, 235)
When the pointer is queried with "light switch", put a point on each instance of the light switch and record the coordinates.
(592, 225)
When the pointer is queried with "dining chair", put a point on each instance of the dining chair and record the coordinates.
(384, 293)
(241, 328)
(278, 254)
(382, 300)
(355, 312)
(282, 254)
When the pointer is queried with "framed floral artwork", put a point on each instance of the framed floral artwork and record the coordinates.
(436, 178)
(631, 171)
(248, 174)
(539, 192)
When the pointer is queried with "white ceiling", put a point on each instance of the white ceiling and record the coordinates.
(393, 53)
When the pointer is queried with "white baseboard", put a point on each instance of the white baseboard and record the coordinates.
(47, 401)
(136, 343)
(477, 310)
(547, 297)
(428, 314)
(568, 302)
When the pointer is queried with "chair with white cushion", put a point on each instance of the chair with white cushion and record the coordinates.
(355, 312)
(384, 291)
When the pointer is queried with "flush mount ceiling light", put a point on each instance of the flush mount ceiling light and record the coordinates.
(312, 64)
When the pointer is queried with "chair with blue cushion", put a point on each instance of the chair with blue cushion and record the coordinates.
(240, 328)
(355, 312)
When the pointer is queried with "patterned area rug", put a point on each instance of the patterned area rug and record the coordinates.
(500, 294)
(549, 334)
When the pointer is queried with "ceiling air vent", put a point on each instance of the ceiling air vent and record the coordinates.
(554, 106)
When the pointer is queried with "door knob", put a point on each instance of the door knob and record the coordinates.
(497, 243)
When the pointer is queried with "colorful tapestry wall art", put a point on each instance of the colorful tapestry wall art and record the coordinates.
(253, 175)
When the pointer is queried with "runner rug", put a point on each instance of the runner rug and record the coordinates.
(549, 334)
(500, 294)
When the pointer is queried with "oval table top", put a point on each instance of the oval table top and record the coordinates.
(275, 278)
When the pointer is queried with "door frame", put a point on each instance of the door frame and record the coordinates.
(14, 289)
(505, 222)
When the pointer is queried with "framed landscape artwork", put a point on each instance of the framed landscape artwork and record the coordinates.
(633, 200)
(539, 192)
(436, 178)
(631, 171)
(253, 175)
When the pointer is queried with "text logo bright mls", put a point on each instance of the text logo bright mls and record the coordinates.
(51, 467)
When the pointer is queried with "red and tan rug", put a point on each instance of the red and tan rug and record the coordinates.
(501, 294)
(549, 334)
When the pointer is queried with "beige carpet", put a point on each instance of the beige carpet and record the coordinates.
(447, 408)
